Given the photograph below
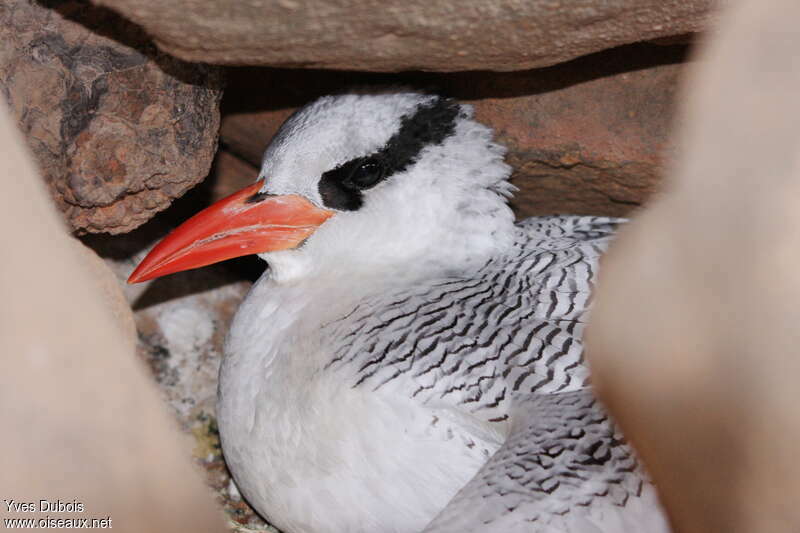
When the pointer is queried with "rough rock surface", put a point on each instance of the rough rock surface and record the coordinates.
(398, 35)
(586, 137)
(118, 128)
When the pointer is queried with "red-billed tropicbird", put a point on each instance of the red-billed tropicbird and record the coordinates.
(412, 359)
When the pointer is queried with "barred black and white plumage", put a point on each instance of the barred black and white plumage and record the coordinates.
(512, 326)
(564, 467)
(414, 360)
(504, 344)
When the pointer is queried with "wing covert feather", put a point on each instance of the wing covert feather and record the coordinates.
(513, 327)
(505, 345)
(564, 468)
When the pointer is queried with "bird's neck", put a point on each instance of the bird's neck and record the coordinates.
(400, 253)
(367, 273)
(301, 292)
(279, 324)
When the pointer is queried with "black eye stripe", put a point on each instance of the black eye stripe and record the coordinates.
(429, 125)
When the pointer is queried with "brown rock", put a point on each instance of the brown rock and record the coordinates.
(398, 35)
(586, 136)
(81, 419)
(230, 174)
(118, 129)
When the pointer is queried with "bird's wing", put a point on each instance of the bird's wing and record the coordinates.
(513, 327)
(506, 344)
(564, 468)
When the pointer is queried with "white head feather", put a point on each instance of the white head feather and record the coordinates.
(446, 211)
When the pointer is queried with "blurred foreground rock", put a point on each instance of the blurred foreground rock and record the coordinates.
(118, 128)
(586, 137)
(117, 306)
(399, 35)
(82, 420)
(693, 340)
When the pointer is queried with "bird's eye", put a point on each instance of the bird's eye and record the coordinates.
(366, 174)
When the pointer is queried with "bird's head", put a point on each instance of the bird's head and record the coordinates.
(354, 182)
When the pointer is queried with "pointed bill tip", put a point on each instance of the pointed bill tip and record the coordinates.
(136, 277)
(139, 275)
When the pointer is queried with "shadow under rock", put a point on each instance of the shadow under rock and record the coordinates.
(252, 89)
